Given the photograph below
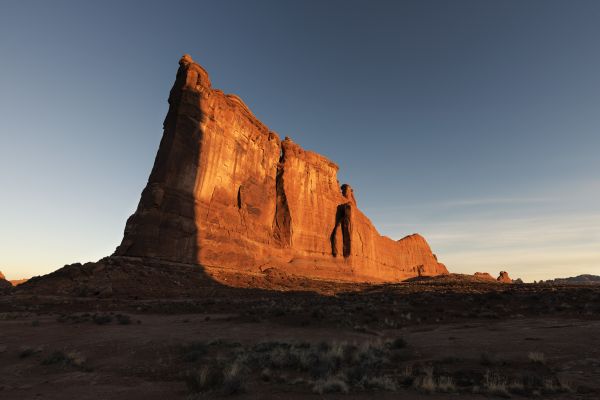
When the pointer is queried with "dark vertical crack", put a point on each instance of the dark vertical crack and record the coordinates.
(282, 225)
(343, 226)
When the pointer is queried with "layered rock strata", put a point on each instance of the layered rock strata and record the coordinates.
(227, 192)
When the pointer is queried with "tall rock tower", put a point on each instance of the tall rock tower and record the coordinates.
(226, 192)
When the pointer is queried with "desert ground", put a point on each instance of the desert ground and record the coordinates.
(430, 338)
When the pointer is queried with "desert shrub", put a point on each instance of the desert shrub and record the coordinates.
(334, 384)
(101, 319)
(536, 357)
(234, 379)
(487, 359)
(194, 351)
(398, 343)
(495, 384)
(266, 375)
(26, 352)
(425, 382)
(123, 319)
(207, 378)
(215, 377)
(73, 358)
(445, 384)
(380, 383)
(57, 357)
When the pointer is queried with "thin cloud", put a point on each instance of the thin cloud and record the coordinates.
(495, 201)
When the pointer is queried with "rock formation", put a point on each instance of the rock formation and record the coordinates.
(4, 284)
(484, 275)
(504, 278)
(226, 192)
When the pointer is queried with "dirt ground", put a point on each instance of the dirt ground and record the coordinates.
(421, 340)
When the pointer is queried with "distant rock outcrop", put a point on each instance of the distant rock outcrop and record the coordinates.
(576, 280)
(484, 275)
(227, 192)
(504, 278)
(4, 284)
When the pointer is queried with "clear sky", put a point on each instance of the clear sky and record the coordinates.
(475, 123)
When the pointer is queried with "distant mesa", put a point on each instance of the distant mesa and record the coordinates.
(585, 279)
(484, 276)
(226, 193)
(503, 277)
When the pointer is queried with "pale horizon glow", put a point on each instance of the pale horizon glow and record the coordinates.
(473, 123)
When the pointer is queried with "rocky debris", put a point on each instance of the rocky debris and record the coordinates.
(484, 275)
(226, 191)
(504, 278)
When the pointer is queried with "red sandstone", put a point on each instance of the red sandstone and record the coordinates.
(227, 192)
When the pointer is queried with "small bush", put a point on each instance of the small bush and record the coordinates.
(73, 358)
(57, 357)
(26, 352)
(335, 384)
(425, 382)
(209, 377)
(228, 380)
(100, 319)
(234, 379)
(398, 343)
(446, 384)
(381, 383)
(536, 357)
(123, 319)
(194, 351)
(495, 384)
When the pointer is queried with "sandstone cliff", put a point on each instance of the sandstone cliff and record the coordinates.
(226, 192)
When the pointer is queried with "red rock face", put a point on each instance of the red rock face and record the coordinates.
(226, 192)
(504, 278)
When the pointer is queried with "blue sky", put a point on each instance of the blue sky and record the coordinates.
(475, 123)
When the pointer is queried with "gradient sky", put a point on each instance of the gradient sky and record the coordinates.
(475, 123)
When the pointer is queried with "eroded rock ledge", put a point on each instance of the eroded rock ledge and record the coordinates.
(227, 192)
